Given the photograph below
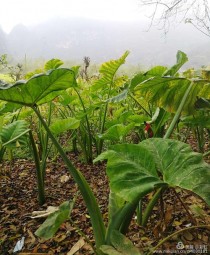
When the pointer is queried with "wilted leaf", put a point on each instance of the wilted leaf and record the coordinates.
(45, 213)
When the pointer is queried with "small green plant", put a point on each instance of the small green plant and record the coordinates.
(12, 136)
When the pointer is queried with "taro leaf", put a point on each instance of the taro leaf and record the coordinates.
(120, 245)
(9, 107)
(65, 98)
(54, 220)
(138, 78)
(156, 71)
(141, 77)
(76, 70)
(120, 97)
(167, 92)
(196, 121)
(131, 171)
(35, 90)
(53, 64)
(108, 71)
(135, 170)
(137, 119)
(115, 203)
(117, 132)
(181, 59)
(13, 133)
(59, 126)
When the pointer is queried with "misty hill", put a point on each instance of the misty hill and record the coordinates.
(74, 38)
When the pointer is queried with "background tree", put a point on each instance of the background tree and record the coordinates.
(14, 71)
(195, 12)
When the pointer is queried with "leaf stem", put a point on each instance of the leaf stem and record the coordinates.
(87, 194)
(178, 112)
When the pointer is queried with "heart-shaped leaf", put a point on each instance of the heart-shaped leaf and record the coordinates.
(59, 126)
(13, 133)
(35, 90)
(136, 169)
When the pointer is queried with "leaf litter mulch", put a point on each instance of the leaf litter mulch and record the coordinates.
(18, 199)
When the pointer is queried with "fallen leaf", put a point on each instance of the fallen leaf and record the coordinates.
(64, 178)
(177, 223)
(78, 245)
(168, 215)
(28, 253)
(188, 236)
(33, 239)
(46, 213)
(59, 238)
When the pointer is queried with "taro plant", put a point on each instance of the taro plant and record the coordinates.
(13, 135)
(133, 170)
(106, 87)
(89, 101)
(42, 89)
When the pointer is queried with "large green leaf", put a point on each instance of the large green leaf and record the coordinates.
(58, 126)
(34, 90)
(53, 64)
(138, 78)
(120, 245)
(167, 92)
(115, 203)
(196, 121)
(54, 220)
(117, 132)
(164, 92)
(8, 107)
(13, 133)
(156, 71)
(134, 170)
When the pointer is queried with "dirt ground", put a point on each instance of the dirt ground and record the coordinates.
(18, 199)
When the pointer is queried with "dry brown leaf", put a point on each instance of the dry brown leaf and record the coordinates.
(33, 239)
(43, 214)
(188, 236)
(29, 253)
(59, 238)
(157, 230)
(168, 215)
(64, 178)
(78, 245)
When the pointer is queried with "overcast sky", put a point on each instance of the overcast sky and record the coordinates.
(30, 12)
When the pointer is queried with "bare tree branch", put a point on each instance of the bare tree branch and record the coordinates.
(195, 12)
